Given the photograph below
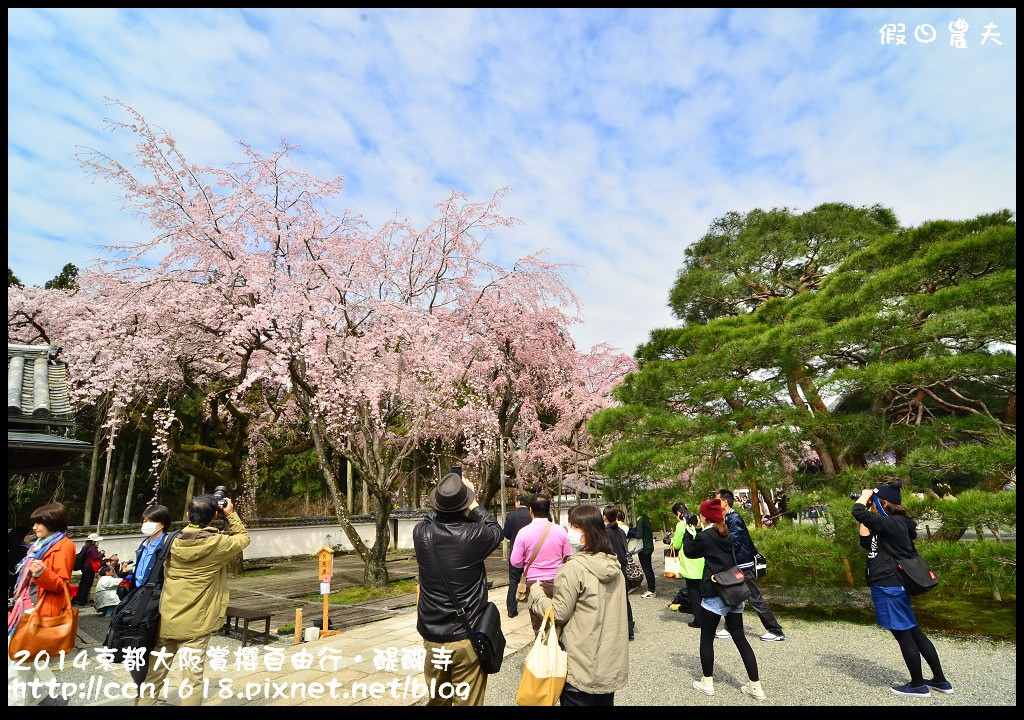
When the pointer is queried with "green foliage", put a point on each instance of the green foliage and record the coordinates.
(66, 280)
(996, 511)
(973, 566)
(12, 279)
(800, 555)
(907, 330)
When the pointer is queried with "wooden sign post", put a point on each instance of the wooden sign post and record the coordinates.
(326, 569)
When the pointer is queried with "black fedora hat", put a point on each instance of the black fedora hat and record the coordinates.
(451, 494)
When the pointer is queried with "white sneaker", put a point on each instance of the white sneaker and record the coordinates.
(722, 633)
(705, 685)
(772, 637)
(647, 594)
(753, 689)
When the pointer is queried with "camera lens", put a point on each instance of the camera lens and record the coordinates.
(854, 496)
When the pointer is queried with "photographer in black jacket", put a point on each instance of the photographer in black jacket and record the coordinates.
(888, 534)
(464, 535)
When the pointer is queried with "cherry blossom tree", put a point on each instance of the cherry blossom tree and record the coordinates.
(287, 316)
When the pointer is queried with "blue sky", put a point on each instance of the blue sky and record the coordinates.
(621, 133)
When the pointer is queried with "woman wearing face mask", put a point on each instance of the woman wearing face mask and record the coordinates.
(155, 521)
(589, 604)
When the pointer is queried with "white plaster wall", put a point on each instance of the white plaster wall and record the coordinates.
(281, 541)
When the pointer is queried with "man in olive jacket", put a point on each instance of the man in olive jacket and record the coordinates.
(463, 535)
(194, 599)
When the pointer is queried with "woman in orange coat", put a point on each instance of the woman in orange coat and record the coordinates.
(47, 566)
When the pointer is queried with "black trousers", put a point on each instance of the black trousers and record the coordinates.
(645, 563)
(571, 697)
(511, 604)
(84, 586)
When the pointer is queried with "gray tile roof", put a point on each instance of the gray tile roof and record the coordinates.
(37, 385)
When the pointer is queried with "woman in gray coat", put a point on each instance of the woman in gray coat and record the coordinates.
(589, 603)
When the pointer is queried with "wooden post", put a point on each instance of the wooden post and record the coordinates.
(558, 502)
(928, 530)
(298, 625)
(350, 492)
(325, 564)
(849, 572)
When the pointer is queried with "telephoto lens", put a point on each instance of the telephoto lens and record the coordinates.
(220, 493)
(854, 496)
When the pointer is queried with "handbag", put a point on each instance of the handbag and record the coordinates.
(49, 635)
(546, 667)
(522, 591)
(673, 567)
(760, 566)
(487, 639)
(634, 573)
(914, 573)
(732, 584)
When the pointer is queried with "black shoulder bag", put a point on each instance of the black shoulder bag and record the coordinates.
(914, 574)
(487, 638)
(137, 618)
(732, 583)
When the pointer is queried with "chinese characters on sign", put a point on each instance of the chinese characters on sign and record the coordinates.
(925, 33)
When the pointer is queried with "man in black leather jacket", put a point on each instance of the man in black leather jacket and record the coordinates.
(745, 560)
(464, 535)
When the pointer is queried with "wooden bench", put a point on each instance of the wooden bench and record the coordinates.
(247, 616)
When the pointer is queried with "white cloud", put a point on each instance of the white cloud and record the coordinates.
(622, 133)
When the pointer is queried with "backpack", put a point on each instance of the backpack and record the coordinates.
(80, 560)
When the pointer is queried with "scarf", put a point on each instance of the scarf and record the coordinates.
(22, 602)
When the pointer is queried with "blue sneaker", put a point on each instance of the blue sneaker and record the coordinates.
(942, 687)
(912, 690)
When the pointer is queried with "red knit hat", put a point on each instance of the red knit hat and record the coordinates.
(712, 510)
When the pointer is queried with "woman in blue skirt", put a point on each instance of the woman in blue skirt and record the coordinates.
(885, 526)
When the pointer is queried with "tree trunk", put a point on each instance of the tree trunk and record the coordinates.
(106, 475)
(755, 501)
(97, 440)
(131, 481)
(828, 465)
(115, 495)
(375, 573)
(332, 487)
(189, 494)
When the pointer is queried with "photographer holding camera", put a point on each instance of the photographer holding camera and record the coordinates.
(887, 532)
(693, 568)
(194, 599)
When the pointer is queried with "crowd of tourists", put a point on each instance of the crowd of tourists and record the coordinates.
(576, 577)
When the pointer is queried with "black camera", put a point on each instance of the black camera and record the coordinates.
(691, 519)
(856, 495)
(220, 494)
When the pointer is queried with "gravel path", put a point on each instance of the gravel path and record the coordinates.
(820, 663)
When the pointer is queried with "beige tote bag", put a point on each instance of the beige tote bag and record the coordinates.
(545, 669)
